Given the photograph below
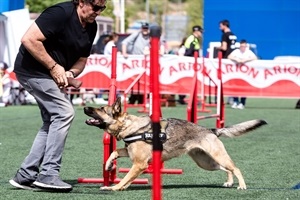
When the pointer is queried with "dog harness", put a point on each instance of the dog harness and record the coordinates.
(148, 136)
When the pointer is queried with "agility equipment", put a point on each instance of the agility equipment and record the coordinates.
(157, 167)
(192, 108)
(135, 88)
(136, 82)
(109, 142)
(155, 33)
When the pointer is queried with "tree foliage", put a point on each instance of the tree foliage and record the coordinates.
(194, 9)
(37, 6)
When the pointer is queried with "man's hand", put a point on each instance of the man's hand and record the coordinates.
(59, 76)
(74, 82)
(125, 55)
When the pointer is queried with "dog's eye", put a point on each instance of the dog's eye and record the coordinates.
(103, 110)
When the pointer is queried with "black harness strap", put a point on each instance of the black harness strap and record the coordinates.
(148, 136)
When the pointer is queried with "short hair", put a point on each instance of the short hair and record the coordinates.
(243, 41)
(76, 2)
(225, 22)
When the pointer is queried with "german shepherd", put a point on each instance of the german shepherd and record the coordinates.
(180, 137)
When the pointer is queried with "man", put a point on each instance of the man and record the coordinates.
(137, 44)
(55, 47)
(241, 56)
(192, 44)
(228, 39)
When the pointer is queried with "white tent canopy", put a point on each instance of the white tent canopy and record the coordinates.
(13, 25)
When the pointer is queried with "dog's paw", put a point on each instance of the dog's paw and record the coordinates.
(228, 184)
(106, 188)
(109, 165)
(242, 187)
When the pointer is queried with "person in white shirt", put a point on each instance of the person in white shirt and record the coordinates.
(111, 41)
(5, 84)
(241, 56)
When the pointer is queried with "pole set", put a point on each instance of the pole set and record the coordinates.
(192, 108)
(109, 142)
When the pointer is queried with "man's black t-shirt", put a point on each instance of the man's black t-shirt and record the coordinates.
(66, 40)
(230, 39)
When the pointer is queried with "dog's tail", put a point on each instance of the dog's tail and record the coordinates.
(239, 129)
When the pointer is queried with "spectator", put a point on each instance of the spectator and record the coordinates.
(181, 50)
(192, 44)
(137, 44)
(54, 48)
(228, 40)
(241, 56)
(5, 84)
(110, 41)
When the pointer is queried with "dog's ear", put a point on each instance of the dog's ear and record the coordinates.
(117, 105)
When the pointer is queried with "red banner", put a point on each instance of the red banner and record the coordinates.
(260, 78)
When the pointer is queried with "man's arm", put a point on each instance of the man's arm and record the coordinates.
(223, 46)
(130, 39)
(33, 42)
(250, 57)
(77, 68)
(233, 56)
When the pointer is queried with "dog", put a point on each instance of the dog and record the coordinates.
(178, 137)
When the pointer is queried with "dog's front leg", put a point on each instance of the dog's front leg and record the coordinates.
(136, 170)
(114, 155)
(140, 154)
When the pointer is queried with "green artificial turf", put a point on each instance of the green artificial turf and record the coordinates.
(269, 157)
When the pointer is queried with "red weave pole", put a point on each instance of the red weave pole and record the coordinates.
(108, 141)
(221, 107)
(155, 32)
(111, 99)
(195, 96)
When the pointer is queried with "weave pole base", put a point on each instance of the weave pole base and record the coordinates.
(150, 171)
(117, 180)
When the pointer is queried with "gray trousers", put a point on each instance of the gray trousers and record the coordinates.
(57, 114)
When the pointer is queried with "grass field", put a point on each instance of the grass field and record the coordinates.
(269, 157)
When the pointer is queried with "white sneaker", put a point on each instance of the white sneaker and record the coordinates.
(234, 105)
(77, 101)
(100, 101)
(240, 106)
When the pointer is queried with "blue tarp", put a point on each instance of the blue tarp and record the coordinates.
(9, 5)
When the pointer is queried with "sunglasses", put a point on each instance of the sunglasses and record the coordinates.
(96, 8)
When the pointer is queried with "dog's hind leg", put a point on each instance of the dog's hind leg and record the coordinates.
(206, 162)
(218, 152)
(212, 155)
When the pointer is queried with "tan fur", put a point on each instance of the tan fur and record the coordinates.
(183, 137)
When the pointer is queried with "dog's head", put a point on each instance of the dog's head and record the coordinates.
(105, 117)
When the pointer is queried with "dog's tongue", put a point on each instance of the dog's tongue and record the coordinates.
(94, 122)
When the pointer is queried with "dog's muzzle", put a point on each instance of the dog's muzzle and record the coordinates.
(96, 122)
